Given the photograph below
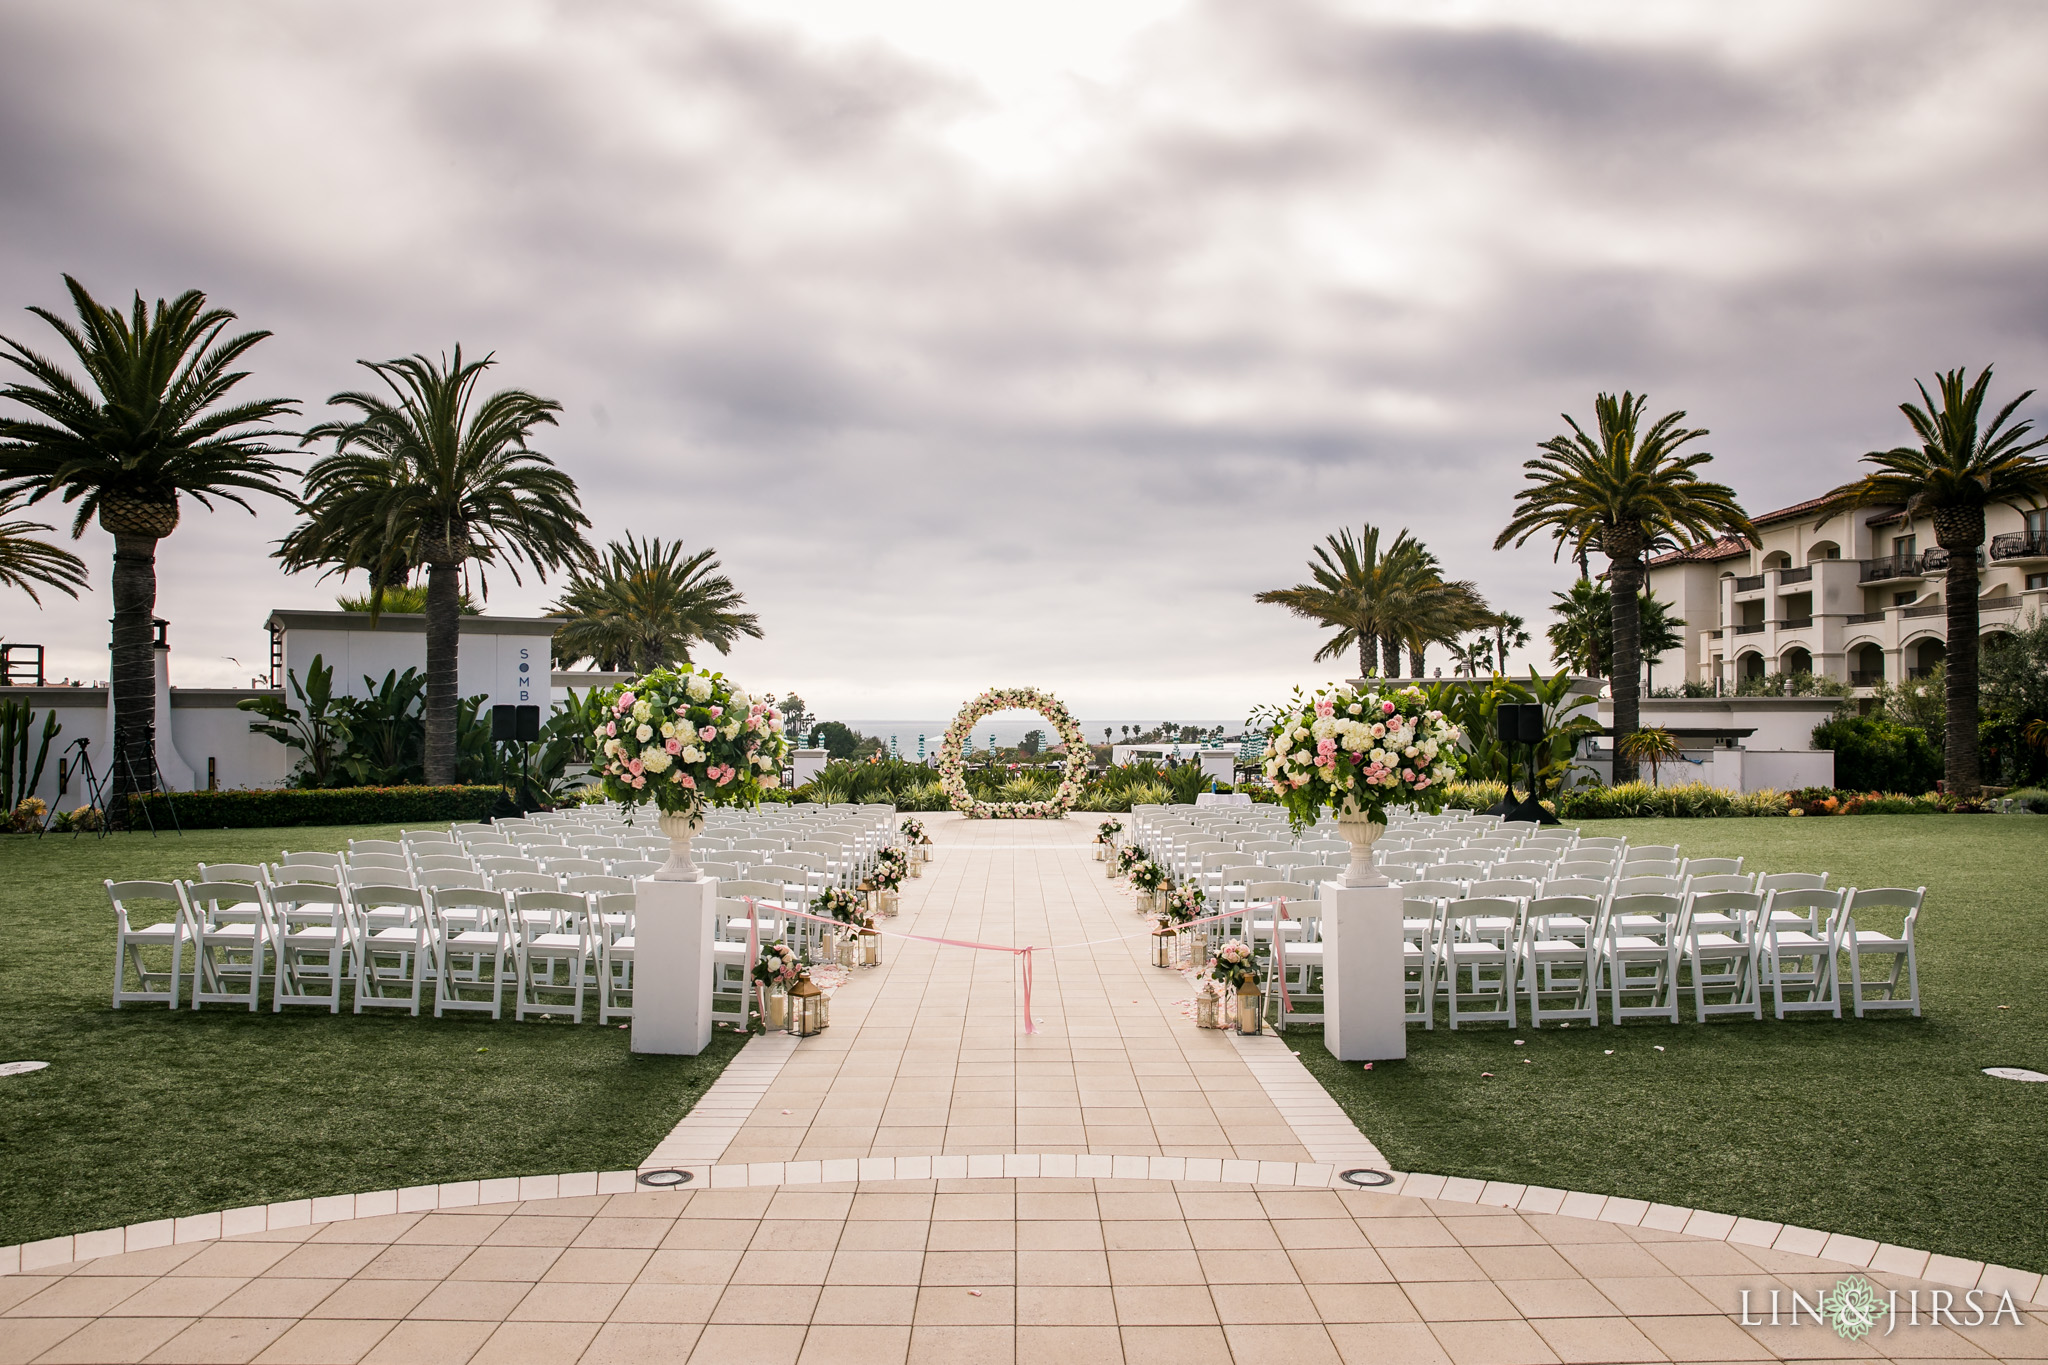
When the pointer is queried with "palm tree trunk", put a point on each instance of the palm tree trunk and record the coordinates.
(1625, 582)
(1415, 661)
(444, 626)
(133, 673)
(1368, 654)
(1961, 766)
(1390, 652)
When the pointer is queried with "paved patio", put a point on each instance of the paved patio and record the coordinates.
(925, 1060)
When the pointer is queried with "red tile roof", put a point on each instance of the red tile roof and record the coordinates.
(1727, 547)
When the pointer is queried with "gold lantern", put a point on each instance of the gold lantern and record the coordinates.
(810, 1009)
(1198, 948)
(1162, 946)
(870, 947)
(848, 954)
(1206, 1003)
(891, 902)
(1250, 1010)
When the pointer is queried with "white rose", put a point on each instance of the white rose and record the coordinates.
(693, 754)
(668, 729)
(644, 733)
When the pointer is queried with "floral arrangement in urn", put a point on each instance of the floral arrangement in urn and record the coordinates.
(952, 760)
(848, 907)
(1106, 832)
(1148, 876)
(1182, 903)
(684, 739)
(1355, 753)
(1128, 859)
(913, 830)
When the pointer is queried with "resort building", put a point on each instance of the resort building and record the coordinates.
(1855, 596)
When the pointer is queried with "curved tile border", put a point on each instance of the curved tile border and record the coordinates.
(1833, 1247)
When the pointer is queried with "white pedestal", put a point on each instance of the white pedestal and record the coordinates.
(1363, 1009)
(672, 923)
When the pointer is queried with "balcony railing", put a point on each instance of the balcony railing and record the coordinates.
(1858, 679)
(1928, 609)
(2004, 603)
(1749, 584)
(1892, 566)
(1795, 623)
(1804, 575)
(2019, 545)
(1919, 674)
(1756, 629)
(1862, 618)
(1936, 560)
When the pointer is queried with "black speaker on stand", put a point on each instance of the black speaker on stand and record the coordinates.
(518, 725)
(1530, 732)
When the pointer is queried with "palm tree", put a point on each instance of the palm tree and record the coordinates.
(642, 604)
(1419, 608)
(26, 561)
(148, 425)
(433, 474)
(1626, 493)
(1956, 472)
(1509, 632)
(1582, 637)
(1350, 589)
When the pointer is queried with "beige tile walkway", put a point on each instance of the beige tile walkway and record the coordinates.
(926, 1053)
(925, 1058)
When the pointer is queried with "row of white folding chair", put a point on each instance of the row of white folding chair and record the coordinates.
(316, 935)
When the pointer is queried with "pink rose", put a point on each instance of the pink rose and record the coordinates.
(688, 781)
(638, 783)
(717, 711)
(708, 733)
(635, 767)
(674, 746)
(1387, 707)
(611, 729)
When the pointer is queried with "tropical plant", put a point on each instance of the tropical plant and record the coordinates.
(1960, 468)
(1875, 753)
(1625, 492)
(384, 733)
(434, 474)
(402, 598)
(18, 782)
(318, 731)
(642, 604)
(26, 561)
(1652, 744)
(1582, 637)
(149, 424)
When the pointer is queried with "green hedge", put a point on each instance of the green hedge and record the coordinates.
(262, 809)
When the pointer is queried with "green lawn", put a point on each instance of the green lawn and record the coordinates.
(1883, 1127)
(147, 1114)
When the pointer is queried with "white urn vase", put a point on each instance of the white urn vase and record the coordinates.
(680, 827)
(1361, 833)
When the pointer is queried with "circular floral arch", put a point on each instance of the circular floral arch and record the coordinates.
(953, 766)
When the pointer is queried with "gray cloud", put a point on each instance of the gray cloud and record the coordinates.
(955, 415)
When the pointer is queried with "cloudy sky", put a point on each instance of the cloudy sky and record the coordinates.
(1019, 343)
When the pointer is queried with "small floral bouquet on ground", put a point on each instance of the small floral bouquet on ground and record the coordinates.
(892, 865)
(1182, 904)
(1128, 858)
(1148, 875)
(686, 739)
(1235, 967)
(1356, 753)
(777, 967)
(847, 907)
(913, 830)
(1106, 832)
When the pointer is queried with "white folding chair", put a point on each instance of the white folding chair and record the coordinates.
(614, 955)
(155, 987)
(1477, 965)
(1420, 919)
(1799, 953)
(375, 846)
(1792, 881)
(393, 947)
(555, 953)
(450, 879)
(637, 867)
(1720, 953)
(472, 947)
(1560, 960)
(311, 936)
(309, 859)
(1860, 943)
(1712, 867)
(1639, 952)
(231, 929)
